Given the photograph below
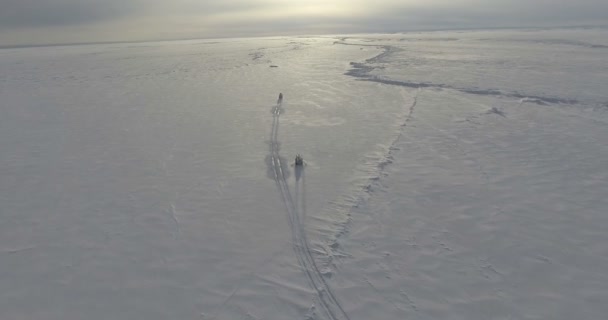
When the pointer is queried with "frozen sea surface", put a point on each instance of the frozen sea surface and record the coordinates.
(449, 175)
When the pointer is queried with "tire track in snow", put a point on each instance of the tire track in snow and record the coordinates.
(299, 241)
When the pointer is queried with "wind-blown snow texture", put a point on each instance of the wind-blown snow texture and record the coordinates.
(449, 175)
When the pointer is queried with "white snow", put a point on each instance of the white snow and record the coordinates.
(449, 175)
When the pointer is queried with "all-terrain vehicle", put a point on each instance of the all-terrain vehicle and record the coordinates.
(299, 160)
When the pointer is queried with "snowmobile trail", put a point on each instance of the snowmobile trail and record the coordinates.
(328, 301)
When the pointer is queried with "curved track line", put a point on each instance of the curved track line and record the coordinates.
(299, 241)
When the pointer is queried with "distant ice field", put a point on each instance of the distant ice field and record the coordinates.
(448, 175)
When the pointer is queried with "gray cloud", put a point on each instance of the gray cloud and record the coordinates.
(44, 13)
(63, 20)
(512, 13)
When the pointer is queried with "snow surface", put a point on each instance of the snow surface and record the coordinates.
(449, 175)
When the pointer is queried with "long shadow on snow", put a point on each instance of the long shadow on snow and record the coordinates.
(295, 212)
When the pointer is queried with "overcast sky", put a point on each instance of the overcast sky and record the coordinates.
(61, 21)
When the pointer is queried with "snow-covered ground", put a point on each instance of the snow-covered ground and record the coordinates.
(449, 175)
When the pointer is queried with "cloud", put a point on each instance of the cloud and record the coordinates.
(106, 20)
(41, 13)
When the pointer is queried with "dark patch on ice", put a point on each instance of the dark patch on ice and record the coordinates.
(18, 250)
(256, 55)
(359, 69)
(542, 100)
(407, 84)
(525, 98)
(487, 92)
(569, 43)
(298, 43)
(495, 110)
(388, 50)
(362, 70)
(273, 66)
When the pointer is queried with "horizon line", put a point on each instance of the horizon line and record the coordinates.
(66, 44)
